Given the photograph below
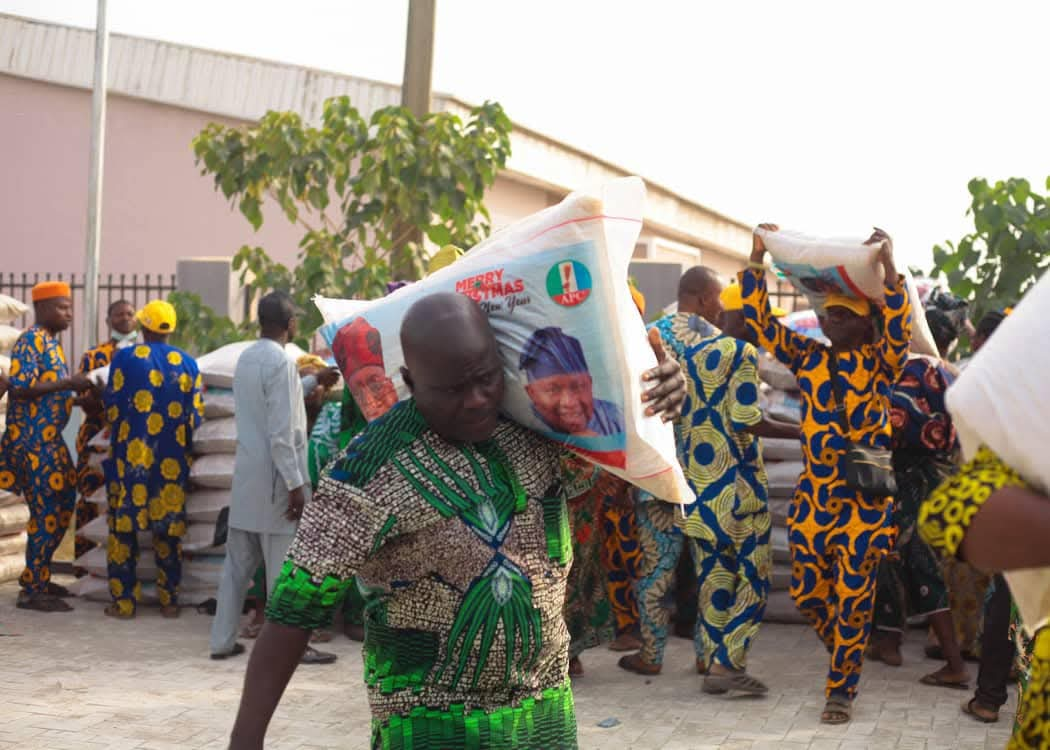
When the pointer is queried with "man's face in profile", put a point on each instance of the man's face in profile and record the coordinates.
(565, 402)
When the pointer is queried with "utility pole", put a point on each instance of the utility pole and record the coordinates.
(98, 141)
(419, 57)
(415, 97)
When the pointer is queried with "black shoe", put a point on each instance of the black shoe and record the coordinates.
(238, 649)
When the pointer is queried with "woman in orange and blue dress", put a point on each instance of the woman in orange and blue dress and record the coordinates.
(837, 535)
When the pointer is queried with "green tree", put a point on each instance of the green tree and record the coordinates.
(1008, 251)
(364, 192)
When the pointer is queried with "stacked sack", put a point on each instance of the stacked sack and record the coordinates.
(14, 513)
(780, 400)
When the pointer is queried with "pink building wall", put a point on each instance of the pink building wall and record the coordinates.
(156, 206)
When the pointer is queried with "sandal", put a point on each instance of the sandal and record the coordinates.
(635, 663)
(313, 656)
(934, 679)
(320, 636)
(113, 610)
(42, 603)
(836, 711)
(54, 589)
(973, 708)
(741, 682)
(251, 630)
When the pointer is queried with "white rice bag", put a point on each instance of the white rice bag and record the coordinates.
(205, 505)
(217, 367)
(215, 471)
(216, 436)
(11, 309)
(1001, 400)
(818, 266)
(554, 283)
(8, 337)
(218, 403)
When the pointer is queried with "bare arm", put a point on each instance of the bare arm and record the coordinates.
(272, 664)
(1009, 532)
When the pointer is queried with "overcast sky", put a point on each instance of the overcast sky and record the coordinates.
(827, 117)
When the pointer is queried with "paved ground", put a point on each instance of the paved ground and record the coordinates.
(84, 682)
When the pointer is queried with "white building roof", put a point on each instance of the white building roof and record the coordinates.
(245, 88)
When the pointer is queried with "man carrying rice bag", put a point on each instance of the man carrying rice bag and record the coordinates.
(838, 534)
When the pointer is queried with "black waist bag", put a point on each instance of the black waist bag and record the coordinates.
(868, 470)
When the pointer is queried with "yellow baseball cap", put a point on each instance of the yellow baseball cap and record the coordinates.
(855, 305)
(443, 258)
(157, 316)
(733, 299)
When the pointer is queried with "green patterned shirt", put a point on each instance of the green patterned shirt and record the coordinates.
(462, 552)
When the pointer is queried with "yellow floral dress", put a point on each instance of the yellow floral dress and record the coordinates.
(943, 522)
(153, 405)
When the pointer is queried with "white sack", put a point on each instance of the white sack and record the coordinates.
(216, 436)
(215, 472)
(783, 406)
(783, 476)
(1001, 400)
(197, 571)
(13, 518)
(564, 267)
(817, 266)
(8, 337)
(198, 537)
(99, 497)
(218, 403)
(775, 374)
(97, 531)
(5, 364)
(217, 367)
(781, 449)
(11, 566)
(11, 309)
(13, 544)
(10, 498)
(203, 506)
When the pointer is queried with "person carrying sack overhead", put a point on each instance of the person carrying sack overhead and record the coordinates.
(840, 525)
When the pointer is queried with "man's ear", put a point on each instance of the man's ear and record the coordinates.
(407, 377)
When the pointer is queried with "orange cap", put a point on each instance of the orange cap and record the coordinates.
(50, 289)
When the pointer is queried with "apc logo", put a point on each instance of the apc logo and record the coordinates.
(569, 283)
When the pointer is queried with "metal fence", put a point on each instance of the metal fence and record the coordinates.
(138, 289)
(787, 297)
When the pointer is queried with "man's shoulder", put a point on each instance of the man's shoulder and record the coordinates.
(378, 443)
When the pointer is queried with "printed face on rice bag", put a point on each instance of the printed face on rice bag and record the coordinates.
(358, 351)
(561, 387)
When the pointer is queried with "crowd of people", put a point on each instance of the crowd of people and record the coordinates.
(478, 561)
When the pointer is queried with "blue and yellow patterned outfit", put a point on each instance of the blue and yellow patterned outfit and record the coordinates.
(89, 478)
(153, 403)
(837, 536)
(463, 553)
(35, 460)
(728, 525)
(944, 521)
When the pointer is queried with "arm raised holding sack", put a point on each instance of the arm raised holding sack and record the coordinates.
(786, 345)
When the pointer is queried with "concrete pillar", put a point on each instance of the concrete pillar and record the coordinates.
(215, 282)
